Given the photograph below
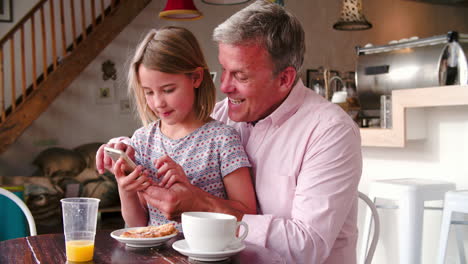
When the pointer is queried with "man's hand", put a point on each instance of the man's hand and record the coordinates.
(104, 162)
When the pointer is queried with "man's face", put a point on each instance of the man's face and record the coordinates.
(248, 82)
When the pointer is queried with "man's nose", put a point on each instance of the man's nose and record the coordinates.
(227, 85)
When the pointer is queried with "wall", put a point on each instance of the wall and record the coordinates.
(20, 8)
(76, 118)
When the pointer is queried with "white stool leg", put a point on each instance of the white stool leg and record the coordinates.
(411, 225)
(460, 243)
(459, 235)
(366, 232)
(444, 232)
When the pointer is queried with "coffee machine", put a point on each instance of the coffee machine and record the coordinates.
(409, 63)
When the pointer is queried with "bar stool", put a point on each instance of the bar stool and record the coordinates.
(410, 195)
(456, 202)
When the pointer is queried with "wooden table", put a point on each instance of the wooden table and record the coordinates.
(50, 249)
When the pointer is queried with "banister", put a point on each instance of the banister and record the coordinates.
(21, 22)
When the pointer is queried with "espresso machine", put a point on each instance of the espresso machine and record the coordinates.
(412, 63)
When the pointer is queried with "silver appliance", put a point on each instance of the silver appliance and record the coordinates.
(414, 63)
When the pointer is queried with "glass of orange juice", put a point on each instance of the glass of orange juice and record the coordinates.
(79, 226)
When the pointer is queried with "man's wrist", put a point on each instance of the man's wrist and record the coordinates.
(209, 203)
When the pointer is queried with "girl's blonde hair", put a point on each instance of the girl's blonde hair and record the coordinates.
(173, 50)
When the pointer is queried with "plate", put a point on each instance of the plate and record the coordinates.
(182, 247)
(140, 242)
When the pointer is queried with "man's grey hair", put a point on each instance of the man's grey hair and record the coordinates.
(270, 25)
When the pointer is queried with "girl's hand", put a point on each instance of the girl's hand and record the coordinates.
(104, 162)
(137, 180)
(170, 171)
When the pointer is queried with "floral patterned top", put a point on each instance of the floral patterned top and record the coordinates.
(209, 153)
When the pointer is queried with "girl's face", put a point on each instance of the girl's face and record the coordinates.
(170, 96)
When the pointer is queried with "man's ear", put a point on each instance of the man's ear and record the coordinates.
(197, 77)
(287, 77)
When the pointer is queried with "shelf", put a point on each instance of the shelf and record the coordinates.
(403, 100)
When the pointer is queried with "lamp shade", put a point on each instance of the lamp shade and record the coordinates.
(180, 10)
(224, 2)
(351, 17)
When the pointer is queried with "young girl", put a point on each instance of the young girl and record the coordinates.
(179, 142)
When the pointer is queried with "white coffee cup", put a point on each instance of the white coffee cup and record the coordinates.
(211, 232)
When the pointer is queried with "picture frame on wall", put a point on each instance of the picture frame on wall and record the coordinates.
(105, 93)
(124, 106)
(6, 10)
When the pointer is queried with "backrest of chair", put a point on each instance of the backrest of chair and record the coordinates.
(24, 208)
(375, 237)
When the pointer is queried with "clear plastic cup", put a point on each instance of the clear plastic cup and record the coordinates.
(79, 227)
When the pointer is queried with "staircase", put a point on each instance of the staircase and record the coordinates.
(37, 63)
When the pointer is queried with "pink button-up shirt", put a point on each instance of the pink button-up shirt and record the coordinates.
(306, 163)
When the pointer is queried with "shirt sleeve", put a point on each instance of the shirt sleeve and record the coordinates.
(325, 195)
(232, 153)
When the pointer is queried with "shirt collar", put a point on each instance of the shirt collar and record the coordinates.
(289, 105)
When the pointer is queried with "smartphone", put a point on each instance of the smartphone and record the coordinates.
(115, 154)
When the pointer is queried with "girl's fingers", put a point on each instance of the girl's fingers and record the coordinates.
(144, 186)
(137, 184)
(100, 160)
(169, 172)
(164, 169)
(163, 160)
(118, 170)
(166, 177)
(132, 181)
(172, 177)
(107, 160)
(166, 166)
(170, 182)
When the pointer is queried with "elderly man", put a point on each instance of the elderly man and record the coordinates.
(305, 152)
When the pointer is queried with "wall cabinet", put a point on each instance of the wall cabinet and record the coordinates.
(407, 102)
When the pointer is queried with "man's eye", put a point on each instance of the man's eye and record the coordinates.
(241, 76)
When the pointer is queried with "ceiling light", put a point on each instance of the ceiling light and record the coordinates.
(351, 17)
(225, 2)
(180, 10)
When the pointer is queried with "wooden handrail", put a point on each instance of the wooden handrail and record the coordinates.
(14, 123)
(21, 57)
(22, 21)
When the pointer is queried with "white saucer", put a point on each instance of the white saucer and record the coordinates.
(140, 242)
(183, 248)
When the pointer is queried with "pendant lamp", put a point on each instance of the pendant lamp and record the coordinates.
(224, 2)
(180, 10)
(351, 17)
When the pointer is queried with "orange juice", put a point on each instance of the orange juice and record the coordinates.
(80, 250)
